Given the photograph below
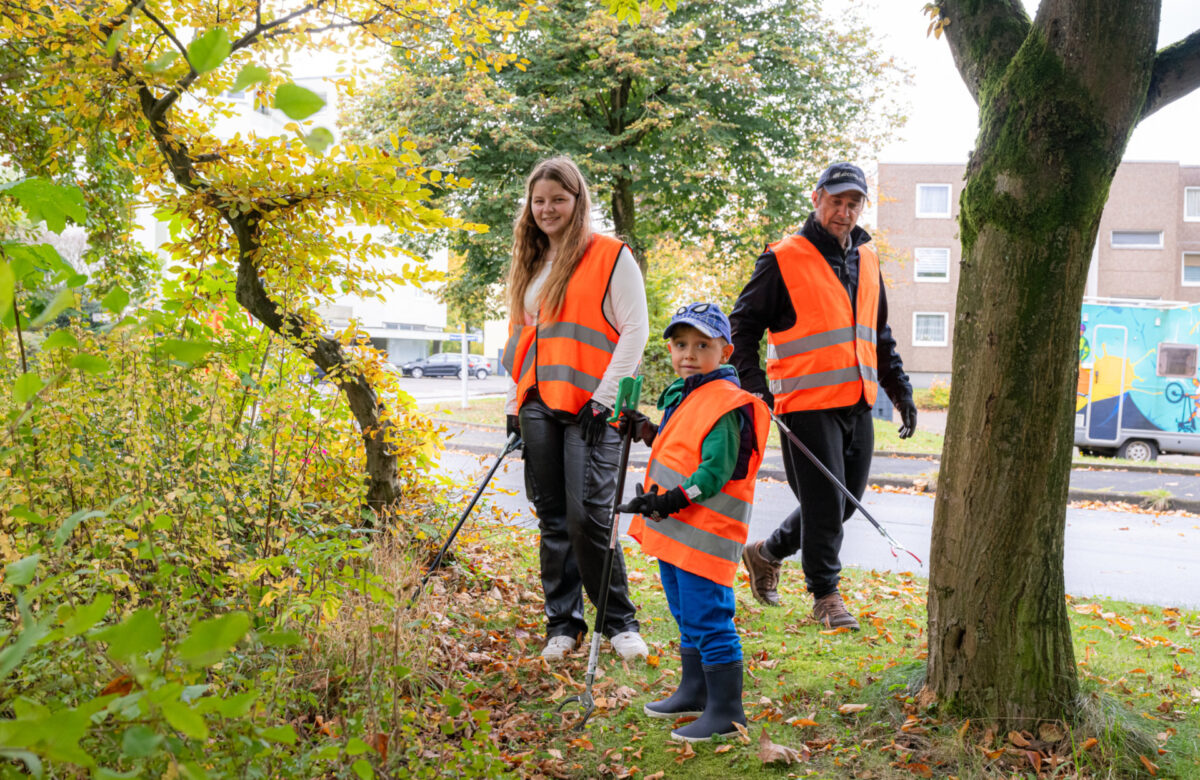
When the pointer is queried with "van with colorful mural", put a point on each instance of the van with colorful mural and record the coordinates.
(1139, 393)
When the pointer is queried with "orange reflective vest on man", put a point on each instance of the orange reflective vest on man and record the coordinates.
(827, 359)
(705, 537)
(565, 356)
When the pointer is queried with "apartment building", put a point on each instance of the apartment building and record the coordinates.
(1148, 247)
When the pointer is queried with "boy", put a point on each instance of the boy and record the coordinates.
(704, 458)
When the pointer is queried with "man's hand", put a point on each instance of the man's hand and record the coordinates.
(644, 430)
(655, 505)
(592, 420)
(908, 418)
(512, 424)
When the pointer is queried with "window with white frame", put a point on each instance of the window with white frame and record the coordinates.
(931, 264)
(929, 329)
(1137, 239)
(1191, 269)
(933, 200)
(1191, 204)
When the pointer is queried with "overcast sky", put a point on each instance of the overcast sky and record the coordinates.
(943, 119)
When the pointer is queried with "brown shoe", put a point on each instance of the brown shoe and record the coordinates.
(830, 611)
(764, 574)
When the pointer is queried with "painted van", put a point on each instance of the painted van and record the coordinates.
(1139, 392)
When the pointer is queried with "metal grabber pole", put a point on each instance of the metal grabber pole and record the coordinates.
(627, 400)
(845, 490)
(513, 443)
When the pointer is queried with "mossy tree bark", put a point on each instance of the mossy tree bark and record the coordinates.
(1058, 98)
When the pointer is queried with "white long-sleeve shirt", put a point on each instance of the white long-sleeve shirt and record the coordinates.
(624, 306)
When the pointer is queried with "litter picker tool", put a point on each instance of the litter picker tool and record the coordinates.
(845, 490)
(513, 443)
(627, 400)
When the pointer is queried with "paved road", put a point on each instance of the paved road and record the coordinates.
(433, 389)
(1135, 557)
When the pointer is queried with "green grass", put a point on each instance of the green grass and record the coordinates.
(1137, 666)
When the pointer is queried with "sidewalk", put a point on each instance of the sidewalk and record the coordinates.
(1088, 483)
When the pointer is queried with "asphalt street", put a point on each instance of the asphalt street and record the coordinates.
(1135, 557)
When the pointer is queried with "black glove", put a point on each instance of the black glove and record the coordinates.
(512, 424)
(592, 420)
(644, 430)
(767, 398)
(908, 417)
(655, 505)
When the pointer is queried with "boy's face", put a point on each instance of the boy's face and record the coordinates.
(694, 353)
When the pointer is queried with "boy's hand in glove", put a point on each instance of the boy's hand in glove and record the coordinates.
(592, 420)
(655, 505)
(512, 424)
(643, 429)
(908, 418)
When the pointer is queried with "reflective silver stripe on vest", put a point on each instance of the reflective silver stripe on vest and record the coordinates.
(823, 379)
(722, 503)
(568, 374)
(510, 352)
(698, 539)
(809, 343)
(530, 358)
(577, 332)
(865, 333)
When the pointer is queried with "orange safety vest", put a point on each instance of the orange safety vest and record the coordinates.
(827, 359)
(565, 358)
(705, 537)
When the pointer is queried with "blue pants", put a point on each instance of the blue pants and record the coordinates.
(703, 610)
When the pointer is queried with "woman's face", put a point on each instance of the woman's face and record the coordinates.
(552, 207)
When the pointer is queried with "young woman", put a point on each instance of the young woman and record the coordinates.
(578, 325)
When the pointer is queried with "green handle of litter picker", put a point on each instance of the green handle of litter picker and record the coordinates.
(628, 392)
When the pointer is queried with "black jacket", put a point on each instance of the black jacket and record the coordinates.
(765, 305)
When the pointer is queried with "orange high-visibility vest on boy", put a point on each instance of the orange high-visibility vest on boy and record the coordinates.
(695, 514)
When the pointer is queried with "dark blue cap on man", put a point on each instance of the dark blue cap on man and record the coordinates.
(843, 176)
(704, 317)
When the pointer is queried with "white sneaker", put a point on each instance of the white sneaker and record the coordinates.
(557, 647)
(629, 645)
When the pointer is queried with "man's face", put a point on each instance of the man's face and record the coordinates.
(839, 213)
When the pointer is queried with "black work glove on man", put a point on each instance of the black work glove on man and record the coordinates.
(908, 418)
(644, 430)
(592, 420)
(512, 424)
(655, 505)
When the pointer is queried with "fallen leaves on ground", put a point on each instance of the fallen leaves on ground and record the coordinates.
(771, 753)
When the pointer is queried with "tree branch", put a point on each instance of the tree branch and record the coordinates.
(166, 31)
(1176, 73)
(983, 35)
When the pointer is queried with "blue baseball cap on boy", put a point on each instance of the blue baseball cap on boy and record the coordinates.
(704, 317)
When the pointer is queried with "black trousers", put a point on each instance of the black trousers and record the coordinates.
(843, 440)
(572, 487)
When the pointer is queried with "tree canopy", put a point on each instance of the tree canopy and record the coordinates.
(265, 221)
(708, 122)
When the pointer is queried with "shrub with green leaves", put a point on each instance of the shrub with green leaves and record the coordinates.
(184, 519)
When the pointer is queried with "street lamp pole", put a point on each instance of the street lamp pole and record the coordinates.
(466, 367)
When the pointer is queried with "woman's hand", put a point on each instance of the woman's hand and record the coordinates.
(592, 420)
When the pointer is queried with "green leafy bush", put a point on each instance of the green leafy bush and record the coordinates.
(183, 531)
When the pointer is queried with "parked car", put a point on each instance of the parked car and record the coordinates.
(446, 364)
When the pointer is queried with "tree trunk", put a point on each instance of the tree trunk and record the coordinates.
(326, 353)
(625, 218)
(1058, 99)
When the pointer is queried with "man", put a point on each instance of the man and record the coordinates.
(820, 296)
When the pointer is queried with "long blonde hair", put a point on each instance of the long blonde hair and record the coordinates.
(530, 244)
